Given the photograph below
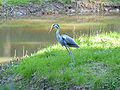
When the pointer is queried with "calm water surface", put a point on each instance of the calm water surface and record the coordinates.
(20, 37)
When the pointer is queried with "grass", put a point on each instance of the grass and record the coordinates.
(42, 1)
(0, 2)
(97, 65)
(17, 2)
(34, 1)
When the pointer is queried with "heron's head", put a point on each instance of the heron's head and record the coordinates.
(54, 26)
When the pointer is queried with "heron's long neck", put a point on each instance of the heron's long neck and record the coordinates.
(58, 33)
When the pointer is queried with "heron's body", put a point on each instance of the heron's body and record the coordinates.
(65, 40)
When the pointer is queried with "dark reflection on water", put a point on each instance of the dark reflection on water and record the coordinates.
(19, 41)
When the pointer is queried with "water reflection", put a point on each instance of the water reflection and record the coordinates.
(29, 36)
(16, 39)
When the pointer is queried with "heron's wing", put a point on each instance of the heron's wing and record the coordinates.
(69, 41)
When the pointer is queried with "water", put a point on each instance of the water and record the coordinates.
(20, 37)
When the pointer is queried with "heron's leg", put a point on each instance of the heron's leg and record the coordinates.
(68, 50)
(71, 56)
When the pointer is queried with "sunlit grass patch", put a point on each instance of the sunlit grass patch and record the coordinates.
(17, 2)
(97, 63)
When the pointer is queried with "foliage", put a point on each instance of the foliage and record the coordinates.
(97, 64)
(105, 0)
(0, 2)
(115, 1)
(17, 1)
(35, 1)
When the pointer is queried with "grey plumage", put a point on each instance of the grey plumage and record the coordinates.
(63, 39)
(69, 42)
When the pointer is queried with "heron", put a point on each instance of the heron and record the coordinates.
(64, 39)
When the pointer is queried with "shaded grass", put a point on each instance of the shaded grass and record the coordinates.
(97, 64)
(0, 2)
(14, 2)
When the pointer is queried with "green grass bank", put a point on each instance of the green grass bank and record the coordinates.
(43, 1)
(97, 65)
(34, 1)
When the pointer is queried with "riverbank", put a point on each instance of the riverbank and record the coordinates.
(51, 8)
(96, 66)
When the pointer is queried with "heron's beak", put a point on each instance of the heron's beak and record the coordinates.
(51, 29)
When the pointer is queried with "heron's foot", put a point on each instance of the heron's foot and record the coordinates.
(72, 63)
